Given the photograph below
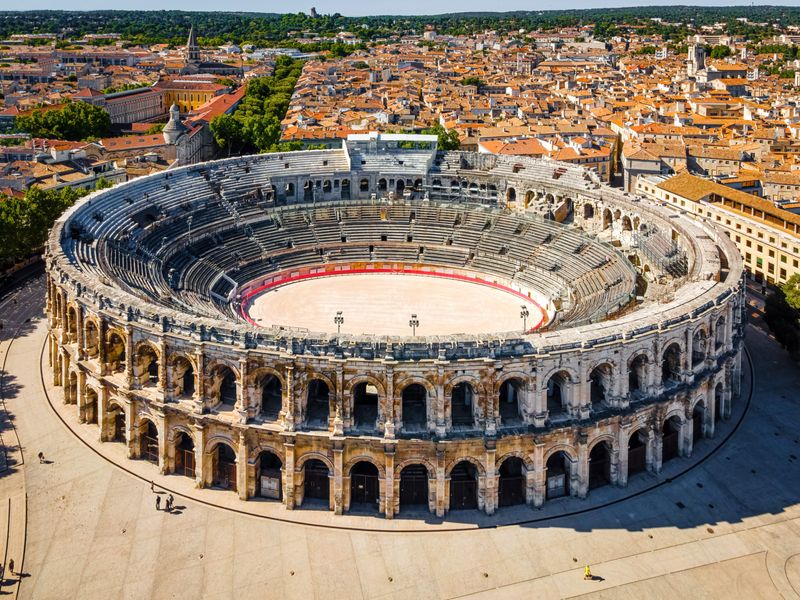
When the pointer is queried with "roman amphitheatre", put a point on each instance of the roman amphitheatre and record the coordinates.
(383, 339)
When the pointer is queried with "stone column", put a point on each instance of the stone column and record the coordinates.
(536, 480)
(102, 353)
(389, 501)
(491, 499)
(338, 477)
(199, 455)
(81, 339)
(65, 376)
(687, 434)
(441, 500)
(130, 430)
(129, 356)
(198, 398)
(440, 423)
(162, 367)
(241, 465)
(163, 447)
(102, 406)
(243, 396)
(657, 444)
(579, 477)
(288, 475)
(622, 455)
(288, 401)
(388, 412)
(80, 398)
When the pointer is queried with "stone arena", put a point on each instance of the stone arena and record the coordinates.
(585, 335)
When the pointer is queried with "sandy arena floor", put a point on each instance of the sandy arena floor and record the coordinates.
(382, 303)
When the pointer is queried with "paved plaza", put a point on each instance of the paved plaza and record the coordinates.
(724, 523)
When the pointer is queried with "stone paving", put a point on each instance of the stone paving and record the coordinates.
(730, 526)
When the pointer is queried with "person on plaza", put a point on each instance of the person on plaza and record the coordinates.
(41, 457)
(11, 566)
(170, 502)
(152, 486)
(158, 502)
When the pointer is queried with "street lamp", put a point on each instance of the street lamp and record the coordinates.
(524, 313)
(338, 319)
(413, 323)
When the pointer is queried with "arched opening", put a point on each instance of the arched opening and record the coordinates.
(617, 214)
(671, 364)
(670, 439)
(698, 347)
(599, 465)
(317, 404)
(414, 486)
(401, 185)
(289, 190)
(71, 395)
(363, 185)
(148, 442)
(224, 467)
(637, 452)
(90, 406)
(530, 196)
(72, 325)
(717, 402)
(308, 191)
(365, 406)
(382, 185)
(327, 186)
(183, 378)
(588, 211)
(269, 476)
(147, 365)
(600, 380)
(636, 223)
(510, 392)
(698, 417)
(511, 195)
(115, 353)
(464, 486)
(461, 402)
(271, 396)
(626, 223)
(116, 417)
(184, 455)
(316, 483)
(364, 487)
(511, 484)
(345, 189)
(608, 220)
(415, 416)
(224, 380)
(92, 340)
(557, 398)
(637, 374)
(719, 334)
(558, 471)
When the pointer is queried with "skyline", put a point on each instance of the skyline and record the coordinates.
(385, 7)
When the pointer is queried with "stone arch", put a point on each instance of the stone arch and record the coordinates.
(510, 399)
(526, 459)
(470, 459)
(312, 455)
(530, 196)
(588, 211)
(603, 437)
(318, 396)
(570, 451)
(182, 374)
(224, 383)
(116, 350)
(511, 195)
(558, 389)
(600, 459)
(72, 323)
(415, 395)
(381, 466)
(148, 435)
(91, 336)
(627, 225)
(91, 404)
(719, 332)
(671, 362)
(415, 461)
(365, 402)
(638, 365)
(637, 451)
(699, 345)
(358, 379)
(608, 219)
(464, 400)
(601, 382)
(256, 375)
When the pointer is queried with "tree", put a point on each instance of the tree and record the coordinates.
(718, 52)
(473, 80)
(448, 140)
(791, 290)
(782, 314)
(75, 121)
(227, 131)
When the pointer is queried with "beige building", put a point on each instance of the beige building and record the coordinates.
(767, 236)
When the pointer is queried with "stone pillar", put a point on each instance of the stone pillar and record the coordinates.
(80, 395)
(536, 480)
(163, 446)
(198, 398)
(491, 499)
(162, 367)
(342, 403)
(442, 502)
(241, 465)
(623, 436)
(489, 400)
(687, 434)
(389, 501)
(337, 488)
(288, 475)
(243, 396)
(65, 377)
(388, 411)
(102, 409)
(130, 430)
(199, 455)
(579, 477)
(657, 444)
(687, 366)
(440, 422)
(79, 332)
(102, 351)
(129, 356)
(288, 401)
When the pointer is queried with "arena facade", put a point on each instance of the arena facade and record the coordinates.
(637, 351)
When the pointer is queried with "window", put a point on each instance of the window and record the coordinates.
(748, 243)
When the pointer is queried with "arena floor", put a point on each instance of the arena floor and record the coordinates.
(382, 303)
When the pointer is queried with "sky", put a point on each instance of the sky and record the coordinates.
(362, 7)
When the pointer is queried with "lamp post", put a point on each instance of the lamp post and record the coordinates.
(413, 323)
(524, 313)
(338, 319)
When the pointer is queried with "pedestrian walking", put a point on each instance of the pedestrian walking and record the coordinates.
(170, 502)
(152, 486)
(158, 502)
(41, 457)
(11, 566)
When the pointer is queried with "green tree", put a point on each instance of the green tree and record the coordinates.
(791, 290)
(473, 80)
(75, 121)
(448, 140)
(782, 314)
(718, 52)
(227, 131)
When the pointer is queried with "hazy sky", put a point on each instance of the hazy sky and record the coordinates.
(373, 7)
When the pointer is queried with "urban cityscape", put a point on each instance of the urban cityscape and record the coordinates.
(477, 304)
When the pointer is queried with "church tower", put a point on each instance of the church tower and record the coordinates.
(192, 49)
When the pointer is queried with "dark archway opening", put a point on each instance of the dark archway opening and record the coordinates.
(461, 405)
(414, 486)
(599, 465)
(318, 404)
(149, 443)
(510, 392)
(365, 406)
(464, 486)
(364, 485)
(271, 397)
(637, 453)
(269, 476)
(184, 455)
(316, 483)
(558, 472)
(511, 486)
(415, 417)
(670, 439)
(224, 472)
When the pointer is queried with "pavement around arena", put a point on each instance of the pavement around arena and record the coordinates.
(93, 530)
